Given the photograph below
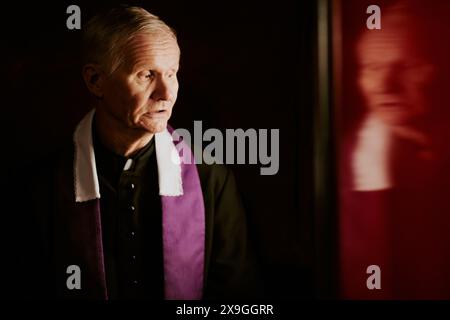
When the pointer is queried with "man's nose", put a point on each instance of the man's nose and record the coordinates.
(162, 91)
(391, 81)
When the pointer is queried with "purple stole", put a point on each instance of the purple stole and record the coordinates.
(183, 225)
(184, 237)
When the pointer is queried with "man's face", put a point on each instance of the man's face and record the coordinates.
(393, 75)
(141, 93)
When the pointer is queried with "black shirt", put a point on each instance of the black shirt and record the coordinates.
(131, 222)
(46, 241)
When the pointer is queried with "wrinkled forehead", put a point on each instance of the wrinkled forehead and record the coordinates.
(160, 49)
(399, 38)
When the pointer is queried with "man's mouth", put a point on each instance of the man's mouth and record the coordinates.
(392, 105)
(156, 113)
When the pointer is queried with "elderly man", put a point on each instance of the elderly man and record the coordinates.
(117, 217)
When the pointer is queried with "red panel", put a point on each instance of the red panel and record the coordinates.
(393, 137)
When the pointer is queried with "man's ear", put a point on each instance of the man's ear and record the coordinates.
(93, 78)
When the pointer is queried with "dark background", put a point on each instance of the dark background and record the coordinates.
(244, 64)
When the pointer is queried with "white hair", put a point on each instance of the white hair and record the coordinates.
(107, 34)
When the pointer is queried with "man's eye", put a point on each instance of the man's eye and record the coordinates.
(371, 67)
(145, 75)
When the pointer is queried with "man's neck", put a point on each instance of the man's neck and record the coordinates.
(118, 138)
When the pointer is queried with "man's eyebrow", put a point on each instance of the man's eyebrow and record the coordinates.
(145, 66)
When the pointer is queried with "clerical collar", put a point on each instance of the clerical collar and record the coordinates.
(110, 164)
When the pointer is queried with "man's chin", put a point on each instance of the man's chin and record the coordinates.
(153, 128)
(160, 128)
(394, 118)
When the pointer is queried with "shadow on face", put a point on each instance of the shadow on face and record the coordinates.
(141, 93)
(394, 71)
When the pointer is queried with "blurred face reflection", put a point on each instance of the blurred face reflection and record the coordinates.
(393, 74)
